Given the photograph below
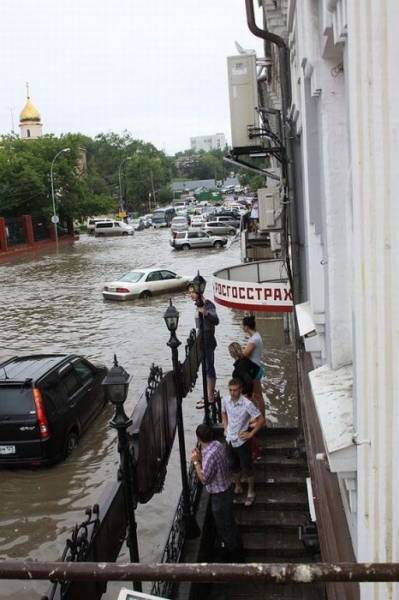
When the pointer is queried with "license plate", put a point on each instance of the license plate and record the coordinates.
(7, 449)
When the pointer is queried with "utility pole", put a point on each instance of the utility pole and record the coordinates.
(152, 185)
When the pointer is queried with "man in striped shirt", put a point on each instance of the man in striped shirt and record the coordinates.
(211, 466)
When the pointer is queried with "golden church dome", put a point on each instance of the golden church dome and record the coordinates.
(29, 112)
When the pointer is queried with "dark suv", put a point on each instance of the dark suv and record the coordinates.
(46, 402)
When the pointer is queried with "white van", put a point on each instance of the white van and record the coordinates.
(111, 228)
(91, 223)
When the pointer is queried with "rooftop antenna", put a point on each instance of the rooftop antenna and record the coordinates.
(27, 90)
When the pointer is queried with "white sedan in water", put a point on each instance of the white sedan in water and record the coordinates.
(144, 283)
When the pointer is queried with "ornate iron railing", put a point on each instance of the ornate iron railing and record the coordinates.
(175, 541)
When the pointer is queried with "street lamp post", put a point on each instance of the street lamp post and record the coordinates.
(116, 385)
(171, 317)
(55, 218)
(121, 203)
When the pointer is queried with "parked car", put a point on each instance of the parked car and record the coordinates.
(179, 224)
(219, 228)
(91, 223)
(225, 220)
(137, 224)
(184, 240)
(144, 283)
(112, 228)
(197, 221)
(46, 402)
(147, 220)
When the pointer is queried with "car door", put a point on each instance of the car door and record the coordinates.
(155, 282)
(170, 280)
(79, 408)
(91, 391)
(204, 240)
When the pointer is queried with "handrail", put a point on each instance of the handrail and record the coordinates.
(201, 572)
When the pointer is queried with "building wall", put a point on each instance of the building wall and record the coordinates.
(345, 107)
(30, 130)
(208, 142)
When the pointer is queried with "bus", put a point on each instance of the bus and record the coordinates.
(162, 217)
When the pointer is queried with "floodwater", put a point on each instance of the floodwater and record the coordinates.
(52, 302)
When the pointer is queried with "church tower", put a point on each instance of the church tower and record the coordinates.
(30, 120)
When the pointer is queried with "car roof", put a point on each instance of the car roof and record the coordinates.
(34, 366)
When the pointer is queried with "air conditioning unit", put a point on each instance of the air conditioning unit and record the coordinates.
(243, 93)
(269, 208)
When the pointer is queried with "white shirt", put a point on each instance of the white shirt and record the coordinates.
(256, 355)
(239, 414)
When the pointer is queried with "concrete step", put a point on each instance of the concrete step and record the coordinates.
(280, 544)
(266, 519)
(288, 478)
(275, 497)
(267, 591)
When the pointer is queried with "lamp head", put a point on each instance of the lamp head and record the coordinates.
(116, 383)
(198, 284)
(171, 317)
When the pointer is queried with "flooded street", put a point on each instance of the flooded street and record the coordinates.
(53, 303)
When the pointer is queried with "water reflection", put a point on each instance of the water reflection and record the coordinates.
(53, 303)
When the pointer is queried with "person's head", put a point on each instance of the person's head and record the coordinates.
(235, 388)
(249, 324)
(235, 350)
(194, 295)
(204, 433)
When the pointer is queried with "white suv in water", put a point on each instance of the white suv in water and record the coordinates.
(196, 238)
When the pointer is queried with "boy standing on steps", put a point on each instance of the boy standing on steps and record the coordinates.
(237, 413)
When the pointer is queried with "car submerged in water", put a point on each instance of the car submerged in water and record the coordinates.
(47, 401)
(144, 283)
(196, 238)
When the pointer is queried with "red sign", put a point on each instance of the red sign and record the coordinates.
(266, 297)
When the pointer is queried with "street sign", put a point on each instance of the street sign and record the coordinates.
(55, 219)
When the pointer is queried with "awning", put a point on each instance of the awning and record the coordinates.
(255, 286)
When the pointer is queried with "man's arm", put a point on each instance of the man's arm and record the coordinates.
(258, 423)
(225, 421)
(209, 312)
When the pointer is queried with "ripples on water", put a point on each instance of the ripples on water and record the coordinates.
(53, 303)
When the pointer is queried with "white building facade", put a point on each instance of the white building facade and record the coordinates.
(345, 108)
(215, 141)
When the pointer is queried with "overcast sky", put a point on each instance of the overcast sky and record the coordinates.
(154, 67)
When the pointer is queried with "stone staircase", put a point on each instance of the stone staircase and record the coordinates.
(270, 527)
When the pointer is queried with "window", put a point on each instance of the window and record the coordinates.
(155, 276)
(193, 234)
(168, 275)
(84, 371)
(28, 133)
(116, 225)
(103, 225)
(70, 382)
(132, 277)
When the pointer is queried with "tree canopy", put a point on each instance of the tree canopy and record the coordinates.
(86, 179)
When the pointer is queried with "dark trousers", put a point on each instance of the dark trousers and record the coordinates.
(226, 526)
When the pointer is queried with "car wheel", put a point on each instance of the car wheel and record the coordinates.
(217, 245)
(232, 231)
(145, 294)
(185, 247)
(125, 233)
(71, 442)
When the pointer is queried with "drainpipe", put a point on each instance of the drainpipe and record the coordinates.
(285, 85)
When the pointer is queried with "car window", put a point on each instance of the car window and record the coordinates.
(70, 382)
(132, 277)
(16, 401)
(84, 371)
(168, 275)
(193, 234)
(103, 225)
(154, 276)
(116, 225)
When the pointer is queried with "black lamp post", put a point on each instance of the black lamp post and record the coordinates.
(171, 318)
(116, 386)
(199, 285)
